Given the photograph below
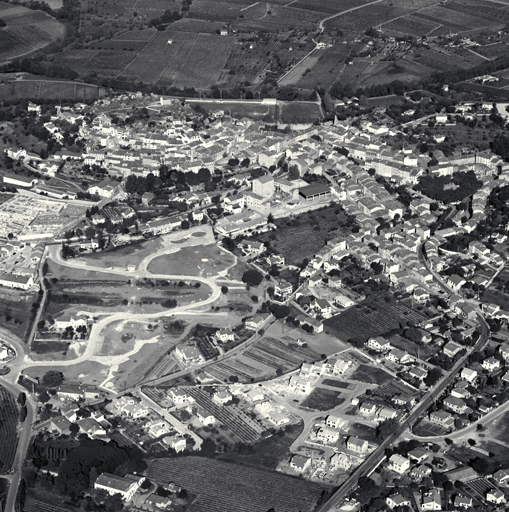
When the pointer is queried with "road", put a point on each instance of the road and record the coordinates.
(23, 442)
(378, 455)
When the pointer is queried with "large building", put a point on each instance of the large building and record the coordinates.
(126, 486)
(264, 186)
(315, 192)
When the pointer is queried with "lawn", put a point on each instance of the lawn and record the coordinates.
(303, 236)
(200, 260)
(299, 112)
(89, 372)
(323, 400)
(249, 108)
(370, 375)
(223, 486)
(131, 254)
(363, 431)
(496, 297)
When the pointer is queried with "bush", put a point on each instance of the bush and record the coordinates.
(252, 277)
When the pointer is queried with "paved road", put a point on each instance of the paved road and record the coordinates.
(23, 441)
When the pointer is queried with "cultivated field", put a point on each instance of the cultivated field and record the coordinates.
(262, 360)
(371, 318)
(49, 89)
(9, 414)
(226, 487)
(26, 30)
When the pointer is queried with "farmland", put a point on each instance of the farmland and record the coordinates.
(373, 317)
(49, 89)
(26, 30)
(304, 235)
(8, 434)
(262, 360)
(15, 311)
(226, 487)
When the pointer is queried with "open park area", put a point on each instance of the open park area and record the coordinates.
(202, 260)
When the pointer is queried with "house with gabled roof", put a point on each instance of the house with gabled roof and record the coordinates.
(432, 500)
(461, 501)
(357, 445)
(495, 496)
(300, 463)
(397, 500)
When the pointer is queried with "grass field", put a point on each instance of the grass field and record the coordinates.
(370, 375)
(371, 318)
(300, 112)
(303, 236)
(336, 383)
(227, 487)
(201, 260)
(322, 399)
(90, 372)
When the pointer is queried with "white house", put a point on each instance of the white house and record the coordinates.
(126, 486)
(399, 464)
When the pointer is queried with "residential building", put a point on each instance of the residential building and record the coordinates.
(443, 418)
(397, 500)
(495, 496)
(432, 500)
(357, 445)
(327, 435)
(491, 364)
(300, 463)
(336, 422)
(398, 463)
(461, 501)
(379, 344)
(451, 349)
(126, 486)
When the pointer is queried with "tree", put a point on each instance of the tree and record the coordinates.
(386, 428)
(52, 379)
(74, 428)
(252, 277)
(185, 224)
(22, 398)
(224, 290)
(433, 377)
(270, 218)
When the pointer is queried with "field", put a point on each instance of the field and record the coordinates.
(371, 318)
(269, 452)
(427, 429)
(90, 372)
(201, 260)
(300, 112)
(323, 400)
(227, 487)
(262, 360)
(26, 31)
(303, 236)
(336, 383)
(9, 414)
(370, 375)
(49, 89)
(36, 505)
(15, 312)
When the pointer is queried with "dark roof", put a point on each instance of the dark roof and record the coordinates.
(313, 190)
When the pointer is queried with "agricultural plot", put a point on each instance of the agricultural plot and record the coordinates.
(262, 361)
(11, 46)
(215, 11)
(325, 72)
(35, 505)
(373, 317)
(328, 6)
(149, 64)
(9, 414)
(226, 487)
(228, 417)
(300, 112)
(410, 25)
(137, 35)
(298, 16)
(371, 16)
(30, 34)
(275, 23)
(122, 45)
(385, 101)
(480, 486)
(427, 429)
(49, 89)
(443, 15)
(205, 61)
(107, 63)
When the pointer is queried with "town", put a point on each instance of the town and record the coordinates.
(321, 307)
